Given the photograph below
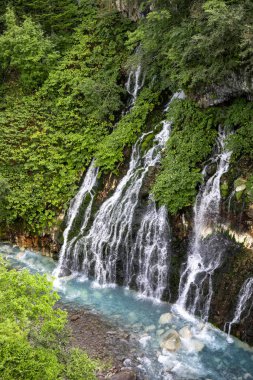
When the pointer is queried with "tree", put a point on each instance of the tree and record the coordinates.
(57, 18)
(32, 332)
(30, 328)
(26, 56)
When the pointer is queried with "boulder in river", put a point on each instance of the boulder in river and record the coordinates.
(170, 340)
(195, 345)
(185, 332)
(165, 318)
(150, 328)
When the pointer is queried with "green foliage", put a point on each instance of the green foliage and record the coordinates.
(190, 144)
(80, 366)
(48, 138)
(57, 18)
(32, 332)
(62, 70)
(111, 150)
(25, 54)
(41, 161)
(151, 35)
(197, 46)
(240, 117)
(85, 83)
(249, 189)
(30, 328)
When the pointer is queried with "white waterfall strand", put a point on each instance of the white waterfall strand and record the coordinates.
(111, 232)
(152, 246)
(86, 188)
(244, 296)
(119, 236)
(111, 237)
(200, 265)
(134, 83)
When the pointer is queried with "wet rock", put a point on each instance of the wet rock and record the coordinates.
(170, 341)
(165, 318)
(74, 317)
(160, 332)
(150, 328)
(100, 377)
(124, 375)
(196, 345)
(127, 362)
(240, 188)
(144, 340)
(185, 332)
(65, 272)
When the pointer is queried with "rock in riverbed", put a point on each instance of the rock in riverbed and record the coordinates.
(165, 318)
(170, 340)
(124, 375)
(185, 332)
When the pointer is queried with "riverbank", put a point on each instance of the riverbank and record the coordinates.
(115, 347)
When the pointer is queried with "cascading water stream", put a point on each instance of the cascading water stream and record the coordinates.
(67, 263)
(195, 289)
(74, 209)
(152, 246)
(245, 296)
(111, 237)
(124, 245)
(134, 83)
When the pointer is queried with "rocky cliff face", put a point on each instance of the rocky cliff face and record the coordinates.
(129, 8)
(237, 85)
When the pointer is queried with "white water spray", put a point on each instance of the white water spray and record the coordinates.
(152, 246)
(135, 82)
(195, 289)
(111, 237)
(118, 237)
(74, 208)
(245, 296)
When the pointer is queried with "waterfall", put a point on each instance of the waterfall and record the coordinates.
(152, 246)
(111, 236)
(126, 243)
(245, 295)
(66, 262)
(74, 210)
(195, 289)
(134, 83)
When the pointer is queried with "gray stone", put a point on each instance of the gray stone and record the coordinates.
(196, 345)
(160, 332)
(240, 188)
(165, 318)
(127, 362)
(124, 375)
(150, 328)
(170, 341)
(185, 332)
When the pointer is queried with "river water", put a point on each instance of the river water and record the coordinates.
(219, 358)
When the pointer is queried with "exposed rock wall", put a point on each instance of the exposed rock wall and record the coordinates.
(129, 7)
